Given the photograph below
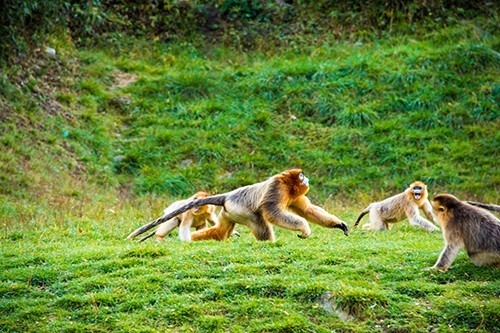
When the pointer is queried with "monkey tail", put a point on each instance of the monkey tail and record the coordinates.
(363, 213)
(217, 200)
(148, 236)
(493, 208)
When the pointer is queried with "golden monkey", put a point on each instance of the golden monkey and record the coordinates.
(469, 227)
(196, 217)
(281, 200)
(399, 207)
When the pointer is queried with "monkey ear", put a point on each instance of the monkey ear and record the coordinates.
(441, 209)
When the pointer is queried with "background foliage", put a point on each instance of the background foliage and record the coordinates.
(240, 23)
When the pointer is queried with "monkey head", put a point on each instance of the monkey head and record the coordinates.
(202, 209)
(418, 191)
(295, 181)
(443, 205)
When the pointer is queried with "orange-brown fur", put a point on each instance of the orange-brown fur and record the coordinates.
(469, 227)
(399, 207)
(279, 201)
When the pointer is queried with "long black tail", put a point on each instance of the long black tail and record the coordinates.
(493, 208)
(146, 237)
(217, 200)
(363, 213)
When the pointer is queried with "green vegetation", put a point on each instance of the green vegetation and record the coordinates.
(100, 138)
(62, 280)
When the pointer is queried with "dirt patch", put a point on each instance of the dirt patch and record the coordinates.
(123, 79)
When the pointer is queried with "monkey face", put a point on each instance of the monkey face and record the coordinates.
(299, 178)
(304, 179)
(202, 209)
(417, 192)
(199, 210)
(295, 181)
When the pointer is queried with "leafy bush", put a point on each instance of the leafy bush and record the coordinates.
(243, 23)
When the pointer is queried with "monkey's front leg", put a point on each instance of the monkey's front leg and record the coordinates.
(288, 221)
(212, 219)
(446, 257)
(415, 219)
(429, 212)
(318, 215)
(419, 221)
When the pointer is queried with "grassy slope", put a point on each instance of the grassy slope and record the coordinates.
(375, 115)
(372, 117)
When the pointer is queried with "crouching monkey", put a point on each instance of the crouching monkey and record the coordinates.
(465, 226)
(196, 217)
(399, 207)
(281, 200)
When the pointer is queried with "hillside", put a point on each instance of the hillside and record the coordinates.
(362, 119)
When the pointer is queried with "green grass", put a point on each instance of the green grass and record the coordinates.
(64, 280)
(85, 159)
(370, 117)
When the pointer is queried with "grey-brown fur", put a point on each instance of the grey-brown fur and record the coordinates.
(469, 227)
(399, 207)
(280, 200)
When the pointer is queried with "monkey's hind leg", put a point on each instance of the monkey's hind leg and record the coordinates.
(376, 221)
(165, 228)
(221, 231)
(262, 230)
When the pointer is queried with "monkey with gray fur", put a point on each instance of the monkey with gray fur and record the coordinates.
(399, 207)
(281, 200)
(469, 227)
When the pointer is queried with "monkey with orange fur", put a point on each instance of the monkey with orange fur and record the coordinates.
(399, 207)
(281, 201)
(196, 217)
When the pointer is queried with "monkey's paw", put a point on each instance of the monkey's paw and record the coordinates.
(304, 235)
(435, 268)
(343, 226)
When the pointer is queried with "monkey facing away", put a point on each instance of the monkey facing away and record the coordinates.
(469, 227)
(196, 217)
(399, 207)
(281, 200)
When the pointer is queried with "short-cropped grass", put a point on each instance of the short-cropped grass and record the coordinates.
(85, 277)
